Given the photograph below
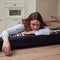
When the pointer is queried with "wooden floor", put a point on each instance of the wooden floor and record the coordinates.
(36, 53)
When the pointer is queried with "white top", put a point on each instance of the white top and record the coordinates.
(20, 27)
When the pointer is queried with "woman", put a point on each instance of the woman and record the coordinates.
(34, 25)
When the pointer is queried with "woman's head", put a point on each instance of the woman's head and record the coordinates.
(35, 21)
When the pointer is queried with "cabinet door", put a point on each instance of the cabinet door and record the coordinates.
(11, 22)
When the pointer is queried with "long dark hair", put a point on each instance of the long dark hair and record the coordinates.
(36, 16)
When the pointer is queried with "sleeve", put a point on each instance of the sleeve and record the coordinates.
(13, 30)
(45, 31)
(4, 33)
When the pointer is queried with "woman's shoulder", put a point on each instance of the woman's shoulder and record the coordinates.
(19, 24)
(46, 27)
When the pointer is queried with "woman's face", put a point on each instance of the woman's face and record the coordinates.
(34, 25)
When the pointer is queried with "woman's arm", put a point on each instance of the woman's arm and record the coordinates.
(6, 48)
(45, 31)
(13, 30)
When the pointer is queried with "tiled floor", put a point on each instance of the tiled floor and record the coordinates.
(36, 53)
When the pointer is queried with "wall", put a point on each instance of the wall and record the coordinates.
(30, 6)
(58, 12)
(47, 8)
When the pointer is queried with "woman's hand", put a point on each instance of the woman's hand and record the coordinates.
(6, 48)
(29, 32)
